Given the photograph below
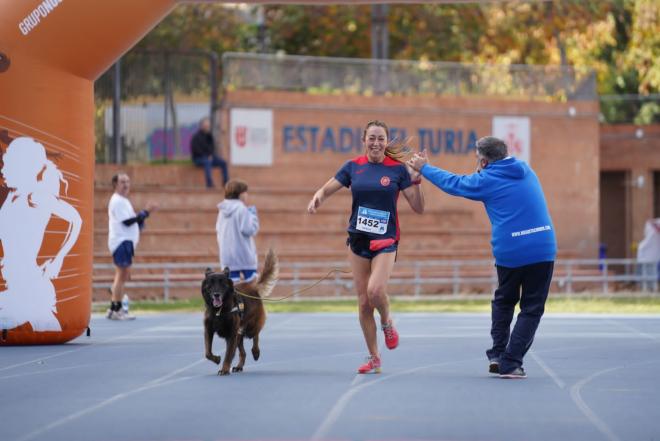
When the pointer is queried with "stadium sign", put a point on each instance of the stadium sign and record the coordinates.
(251, 134)
(310, 138)
(514, 130)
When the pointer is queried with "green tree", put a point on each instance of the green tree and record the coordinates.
(187, 33)
(189, 28)
(329, 31)
(643, 54)
(619, 39)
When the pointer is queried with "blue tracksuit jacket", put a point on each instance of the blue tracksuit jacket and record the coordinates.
(522, 231)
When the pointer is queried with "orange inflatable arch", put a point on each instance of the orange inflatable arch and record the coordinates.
(51, 51)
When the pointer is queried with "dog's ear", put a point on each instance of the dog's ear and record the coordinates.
(226, 271)
(208, 271)
(205, 284)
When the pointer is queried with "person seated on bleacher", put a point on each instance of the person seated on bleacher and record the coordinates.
(202, 149)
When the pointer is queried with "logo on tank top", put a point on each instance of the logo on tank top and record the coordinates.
(385, 181)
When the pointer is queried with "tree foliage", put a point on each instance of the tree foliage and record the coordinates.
(329, 31)
(191, 29)
(618, 39)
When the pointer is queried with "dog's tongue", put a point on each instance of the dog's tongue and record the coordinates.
(217, 302)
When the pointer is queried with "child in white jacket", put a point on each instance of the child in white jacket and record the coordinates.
(236, 227)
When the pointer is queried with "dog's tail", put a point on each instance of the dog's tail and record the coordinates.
(269, 274)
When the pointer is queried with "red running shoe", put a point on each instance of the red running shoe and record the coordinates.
(371, 366)
(391, 336)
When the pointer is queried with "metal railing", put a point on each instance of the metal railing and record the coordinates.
(455, 278)
(400, 77)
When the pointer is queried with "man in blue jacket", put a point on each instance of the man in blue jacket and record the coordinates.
(523, 241)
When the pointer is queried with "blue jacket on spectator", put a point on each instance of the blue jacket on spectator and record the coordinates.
(522, 231)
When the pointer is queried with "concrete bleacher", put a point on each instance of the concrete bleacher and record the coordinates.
(182, 231)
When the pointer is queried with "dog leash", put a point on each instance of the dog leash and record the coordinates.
(332, 271)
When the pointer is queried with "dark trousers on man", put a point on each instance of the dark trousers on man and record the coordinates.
(528, 284)
(208, 163)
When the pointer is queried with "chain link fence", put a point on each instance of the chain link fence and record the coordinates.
(418, 78)
(630, 109)
(163, 96)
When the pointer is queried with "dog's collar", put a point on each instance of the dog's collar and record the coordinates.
(231, 311)
(238, 306)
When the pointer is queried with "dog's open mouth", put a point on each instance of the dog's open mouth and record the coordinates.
(217, 301)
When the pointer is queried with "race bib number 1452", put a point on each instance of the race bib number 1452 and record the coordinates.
(371, 220)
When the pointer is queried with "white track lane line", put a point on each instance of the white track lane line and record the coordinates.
(576, 389)
(336, 411)
(49, 371)
(86, 346)
(558, 381)
(576, 396)
(161, 381)
(634, 330)
(343, 401)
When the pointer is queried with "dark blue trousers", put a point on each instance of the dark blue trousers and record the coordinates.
(208, 164)
(528, 285)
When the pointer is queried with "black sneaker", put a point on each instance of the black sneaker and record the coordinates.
(516, 373)
(494, 365)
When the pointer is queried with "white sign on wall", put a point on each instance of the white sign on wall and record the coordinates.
(251, 133)
(514, 131)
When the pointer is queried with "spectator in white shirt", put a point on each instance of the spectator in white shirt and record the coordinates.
(124, 227)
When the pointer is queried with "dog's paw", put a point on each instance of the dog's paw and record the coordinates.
(214, 358)
(237, 369)
(223, 372)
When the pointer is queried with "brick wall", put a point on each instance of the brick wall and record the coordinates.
(634, 150)
(564, 146)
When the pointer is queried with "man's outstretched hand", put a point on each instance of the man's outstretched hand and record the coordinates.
(418, 160)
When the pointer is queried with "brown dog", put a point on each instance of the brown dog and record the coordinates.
(234, 316)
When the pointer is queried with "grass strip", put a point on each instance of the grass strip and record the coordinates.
(628, 304)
